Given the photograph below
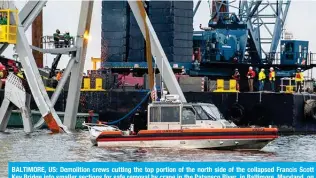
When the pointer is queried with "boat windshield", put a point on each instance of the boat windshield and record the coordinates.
(202, 115)
(212, 111)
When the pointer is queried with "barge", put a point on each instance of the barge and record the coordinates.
(291, 113)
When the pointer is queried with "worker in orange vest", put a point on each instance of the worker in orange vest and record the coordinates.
(272, 78)
(2, 69)
(299, 78)
(58, 76)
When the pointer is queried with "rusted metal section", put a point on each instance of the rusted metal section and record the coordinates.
(37, 33)
(148, 46)
(51, 123)
(219, 8)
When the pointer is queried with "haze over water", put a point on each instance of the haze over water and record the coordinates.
(15, 145)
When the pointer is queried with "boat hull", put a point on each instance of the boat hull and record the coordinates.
(233, 138)
(229, 144)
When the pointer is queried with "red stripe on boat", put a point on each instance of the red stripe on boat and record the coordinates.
(127, 138)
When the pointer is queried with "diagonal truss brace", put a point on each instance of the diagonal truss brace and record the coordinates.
(78, 67)
(248, 11)
(266, 16)
(279, 24)
(58, 89)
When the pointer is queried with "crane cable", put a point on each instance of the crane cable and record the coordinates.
(131, 112)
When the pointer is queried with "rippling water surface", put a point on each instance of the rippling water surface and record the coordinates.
(41, 146)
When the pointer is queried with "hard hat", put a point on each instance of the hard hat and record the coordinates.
(299, 68)
(236, 69)
(262, 69)
(250, 68)
(271, 68)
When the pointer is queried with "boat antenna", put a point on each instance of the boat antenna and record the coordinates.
(161, 80)
(154, 87)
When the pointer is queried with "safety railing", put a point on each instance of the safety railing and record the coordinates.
(288, 85)
(296, 58)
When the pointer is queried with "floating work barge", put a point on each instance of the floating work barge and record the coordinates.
(285, 111)
(288, 112)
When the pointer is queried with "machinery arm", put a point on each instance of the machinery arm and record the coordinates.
(156, 49)
(196, 7)
(54, 66)
(279, 24)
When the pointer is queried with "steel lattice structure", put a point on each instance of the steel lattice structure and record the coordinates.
(265, 21)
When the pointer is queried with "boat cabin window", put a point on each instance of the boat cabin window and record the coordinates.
(213, 112)
(155, 114)
(165, 114)
(202, 115)
(188, 115)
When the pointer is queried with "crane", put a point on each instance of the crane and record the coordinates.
(264, 22)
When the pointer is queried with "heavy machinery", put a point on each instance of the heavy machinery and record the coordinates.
(238, 34)
(222, 41)
(248, 37)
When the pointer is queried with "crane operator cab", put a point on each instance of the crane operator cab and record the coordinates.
(8, 26)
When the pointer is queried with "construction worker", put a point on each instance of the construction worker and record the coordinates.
(314, 85)
(262, 77)
(251, 75)
(58, 76)
(2, 68)
(3, 19)
(67, 39)
(299, 78)
(272, 78)
(56, 38)
(236, 76)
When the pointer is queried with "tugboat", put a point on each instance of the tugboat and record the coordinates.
(173, 124)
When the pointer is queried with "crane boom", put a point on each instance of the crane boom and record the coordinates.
(156, 49)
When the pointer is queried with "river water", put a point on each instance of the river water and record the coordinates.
(15, 145)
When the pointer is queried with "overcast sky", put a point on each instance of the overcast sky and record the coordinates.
(64, 15)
